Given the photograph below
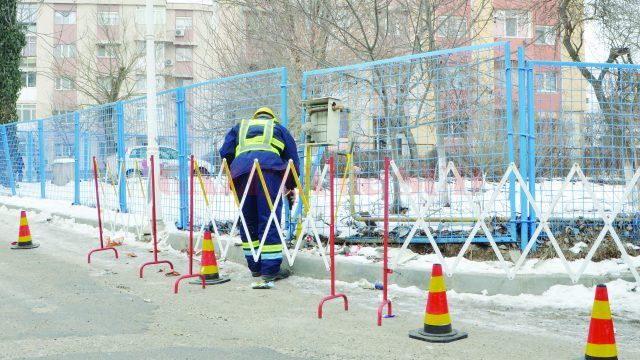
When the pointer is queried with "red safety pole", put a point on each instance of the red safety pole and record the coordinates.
(332, 227)
(101, 248)
(191, 274)
(153, 224)
(385, 268)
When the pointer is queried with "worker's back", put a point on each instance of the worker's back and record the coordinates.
(262, 138)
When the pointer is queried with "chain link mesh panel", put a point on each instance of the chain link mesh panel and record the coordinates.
(585, 114)
(444, 119)
(212, 109)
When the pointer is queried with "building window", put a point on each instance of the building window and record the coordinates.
(26, 112)
(60, 112)
(452, 27)
(513, 23)
(184, 53)
(65, 50)
(184, 23)
(28, 63)
(28, 79)
(159, 14)
(64, 17)
(545, 35)
(141, 83)
(63, 149)
(27, 13)
(142, 49)
(108, 18)
(64, 84)
(30, 47)
(180, 82)
(546, 82)
(107, 50)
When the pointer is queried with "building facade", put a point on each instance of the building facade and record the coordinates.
(81, 53)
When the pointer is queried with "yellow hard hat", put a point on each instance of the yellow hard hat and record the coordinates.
(264, 110)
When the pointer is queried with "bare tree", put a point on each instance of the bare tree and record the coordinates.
(374, 30)
(250, 35)
(102, 66)
(617, 90)
(306, 34)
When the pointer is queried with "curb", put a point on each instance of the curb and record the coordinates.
(313, 267)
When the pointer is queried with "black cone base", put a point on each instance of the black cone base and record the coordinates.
(29, 246)
(454, 335)
(219, 280)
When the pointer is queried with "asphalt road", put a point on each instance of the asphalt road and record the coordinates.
(53, 305)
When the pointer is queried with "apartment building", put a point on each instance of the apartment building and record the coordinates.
(83, 52)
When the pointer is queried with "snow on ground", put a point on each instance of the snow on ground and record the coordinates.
(354, 253)
(575, 202)
(624, 296)
(409, 259)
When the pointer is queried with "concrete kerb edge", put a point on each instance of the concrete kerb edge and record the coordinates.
(312, 266)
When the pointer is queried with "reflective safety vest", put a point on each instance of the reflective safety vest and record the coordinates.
(264, 142)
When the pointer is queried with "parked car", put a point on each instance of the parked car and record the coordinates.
(169, 162)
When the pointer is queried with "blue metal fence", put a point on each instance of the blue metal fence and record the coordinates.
(452, 121)
(52, 157)
(426, 112)
(586, 114)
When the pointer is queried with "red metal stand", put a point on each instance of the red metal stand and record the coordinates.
(385, 269)
(191, 274)
(332, 226)
(101, 248)
(153, 224)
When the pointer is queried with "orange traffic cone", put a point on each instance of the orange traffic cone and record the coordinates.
(437, 322)
(24, 235)
(601, 343)
(209, 264)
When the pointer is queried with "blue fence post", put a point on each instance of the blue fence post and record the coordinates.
(7, 156)
(29, 156)
(122, 166)
(284, 118)
(522, 116)
(303, 168)
(41, 152)
(181, 116)
(85, 160)
(76, 164)
(531, 146)
(510, 140)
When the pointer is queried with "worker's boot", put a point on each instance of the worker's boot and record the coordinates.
(281, 274)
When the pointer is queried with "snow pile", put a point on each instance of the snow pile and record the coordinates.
(624, 298)
(409, 259)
